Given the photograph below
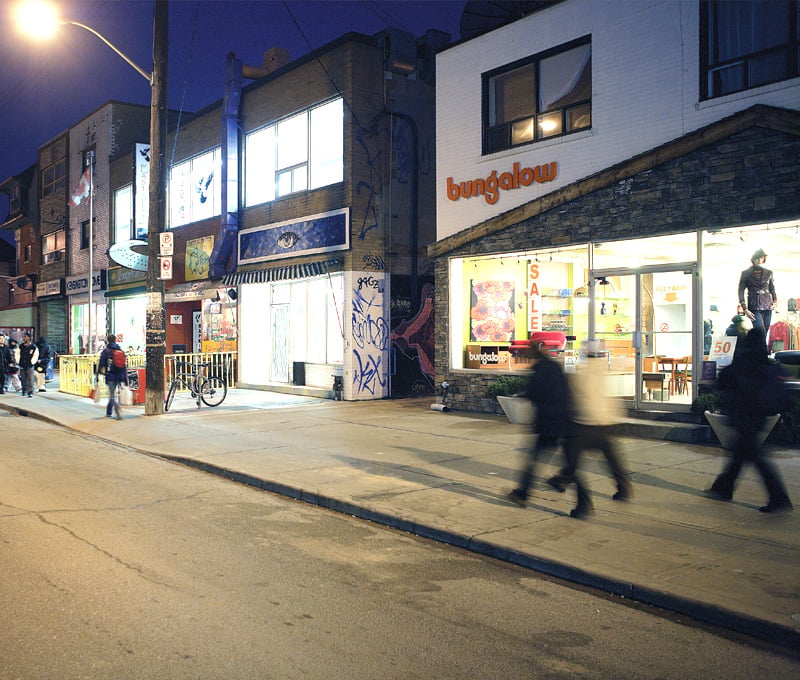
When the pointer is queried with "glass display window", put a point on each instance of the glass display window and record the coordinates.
(499, 301)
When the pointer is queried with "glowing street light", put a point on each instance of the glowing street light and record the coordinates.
(40, 20)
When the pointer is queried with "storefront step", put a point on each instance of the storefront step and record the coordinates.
(688, 433)
(299, 390)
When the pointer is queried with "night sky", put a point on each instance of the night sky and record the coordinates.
(46, 87)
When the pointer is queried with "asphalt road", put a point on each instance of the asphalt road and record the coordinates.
(118, 565)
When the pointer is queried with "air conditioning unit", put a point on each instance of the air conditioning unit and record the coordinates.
(53, 256)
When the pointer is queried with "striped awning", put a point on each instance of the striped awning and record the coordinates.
(285, 273)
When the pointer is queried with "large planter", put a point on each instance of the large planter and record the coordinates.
(727, 434)
(518, 410)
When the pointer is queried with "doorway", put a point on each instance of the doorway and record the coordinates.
(646, 319)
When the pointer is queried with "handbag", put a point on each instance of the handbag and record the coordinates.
(125, 395)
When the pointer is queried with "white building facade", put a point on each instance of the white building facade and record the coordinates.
(647, 146)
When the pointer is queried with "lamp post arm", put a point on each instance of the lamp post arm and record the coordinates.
(147, 76)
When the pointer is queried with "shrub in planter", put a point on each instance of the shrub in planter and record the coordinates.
(506, 386)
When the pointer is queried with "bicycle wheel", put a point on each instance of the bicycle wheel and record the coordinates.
(173, 388)
(213, 391)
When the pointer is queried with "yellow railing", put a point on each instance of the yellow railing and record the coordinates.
(77, 371)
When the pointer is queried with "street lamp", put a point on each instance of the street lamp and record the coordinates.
(40, 20)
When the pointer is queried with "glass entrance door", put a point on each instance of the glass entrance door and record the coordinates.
(645, 319)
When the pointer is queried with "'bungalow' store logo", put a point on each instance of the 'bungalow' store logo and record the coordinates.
(490, 187)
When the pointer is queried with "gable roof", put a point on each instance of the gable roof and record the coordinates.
(769, 117)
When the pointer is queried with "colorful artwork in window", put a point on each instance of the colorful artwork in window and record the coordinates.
(492, 311)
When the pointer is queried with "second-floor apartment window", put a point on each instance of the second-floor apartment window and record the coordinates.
(195, 189)
(745, 44)
(123, 214)
(539, 97)
(85, 233)
(304, 151)
(54, 246)
(54, 178)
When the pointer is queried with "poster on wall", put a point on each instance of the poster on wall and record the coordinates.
(198, 256)
(491, 311)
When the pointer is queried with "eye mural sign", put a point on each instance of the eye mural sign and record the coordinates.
(491, 186)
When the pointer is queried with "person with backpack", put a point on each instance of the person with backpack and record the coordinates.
(752, 390)
(113, 364)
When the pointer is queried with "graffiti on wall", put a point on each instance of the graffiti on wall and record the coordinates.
(417, 333)
(370, 334)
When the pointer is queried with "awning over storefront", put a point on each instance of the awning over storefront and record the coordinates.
(288, 272)
(193, 290)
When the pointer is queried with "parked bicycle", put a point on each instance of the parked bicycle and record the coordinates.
(211, 390)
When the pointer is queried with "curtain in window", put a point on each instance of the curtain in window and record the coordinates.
(565, 78)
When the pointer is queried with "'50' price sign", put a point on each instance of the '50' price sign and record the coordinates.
(722, 348)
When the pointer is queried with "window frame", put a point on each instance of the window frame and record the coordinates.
(58, 182)
(295, 175)
(57, 239)
(707, 68)
(187, 165)
(490, 142)
(84, 243)
(118, 192)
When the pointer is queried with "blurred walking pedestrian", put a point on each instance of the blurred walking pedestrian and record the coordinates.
(592, 416)
(115, 376)
(548, 390)
(5, 360)
(12, 370)
(752, 390)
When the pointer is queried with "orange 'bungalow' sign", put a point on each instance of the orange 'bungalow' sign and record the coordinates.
(491, 186)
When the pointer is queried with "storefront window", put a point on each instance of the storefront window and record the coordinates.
(643, 252)
(79, 328)
(496, 301)
(128, 320)
(728, 252)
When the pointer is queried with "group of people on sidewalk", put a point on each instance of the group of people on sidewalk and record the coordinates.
(576, 413)
(24, 367)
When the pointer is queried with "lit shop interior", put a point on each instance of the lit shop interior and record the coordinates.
(661, 306)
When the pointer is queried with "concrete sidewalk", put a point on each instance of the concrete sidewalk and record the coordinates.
(445, 476)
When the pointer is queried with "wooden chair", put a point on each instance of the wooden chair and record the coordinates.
(677, 368)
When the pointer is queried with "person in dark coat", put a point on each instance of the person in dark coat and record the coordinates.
(45, 356)
(5, 361)
(752, 390)
(547, 388)
(115, 376)
(28, 358)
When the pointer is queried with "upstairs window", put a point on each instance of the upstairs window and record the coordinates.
(54, 178)
(123, 214)
(745, 44)
(54, 246)
(195, 189)
(85, 234)
(302, 152)
(543, 96)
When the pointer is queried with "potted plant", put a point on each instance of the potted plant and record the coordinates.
(507, 389)
(710, 406)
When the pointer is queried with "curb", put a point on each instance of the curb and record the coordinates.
(785, 637)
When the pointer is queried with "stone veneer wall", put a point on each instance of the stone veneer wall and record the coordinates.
(752, 177)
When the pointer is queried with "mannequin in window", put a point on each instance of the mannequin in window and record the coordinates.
(757, 295)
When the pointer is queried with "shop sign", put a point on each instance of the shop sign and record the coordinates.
(320, 233)
(124, 276)
(491, 186)
(198, 258)
(46, 288)
(141, 210)
(534, 298)
(722, 348)
(478, 356)
(80, 283)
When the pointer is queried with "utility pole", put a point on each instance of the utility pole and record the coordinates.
(155, 340)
